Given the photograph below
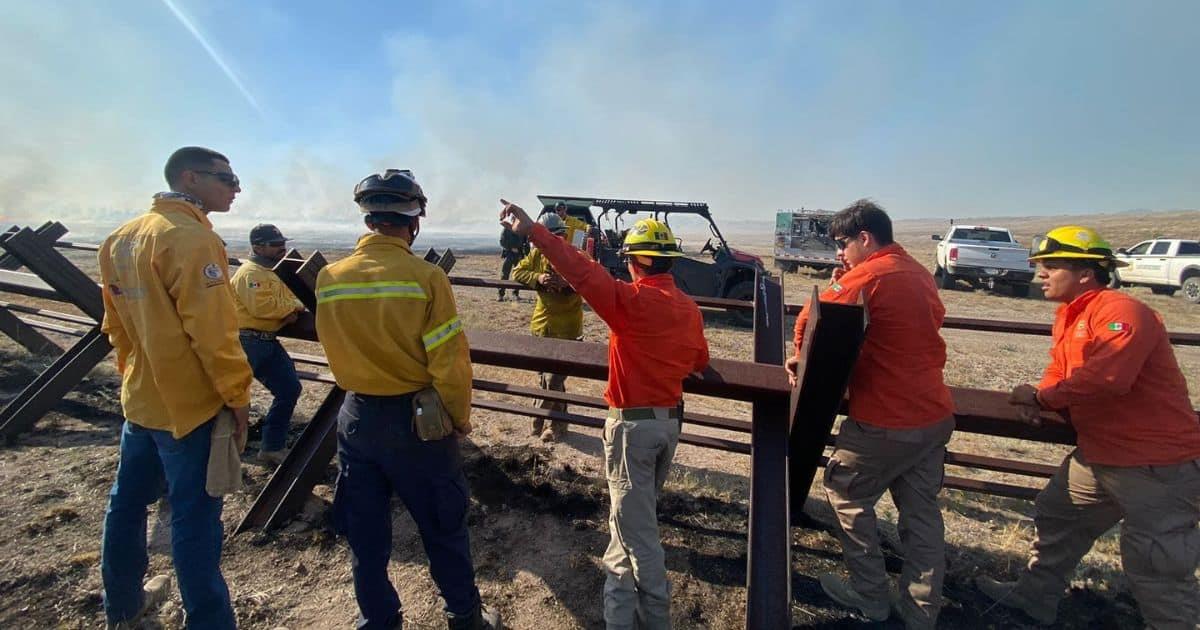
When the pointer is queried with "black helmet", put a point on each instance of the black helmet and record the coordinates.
(395, 190)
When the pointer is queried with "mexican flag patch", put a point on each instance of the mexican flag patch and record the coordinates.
(836, 287)
(1118, 326)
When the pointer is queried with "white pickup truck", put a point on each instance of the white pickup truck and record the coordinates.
(1164, 265)
(983, 256)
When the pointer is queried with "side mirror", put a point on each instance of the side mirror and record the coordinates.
(937, 237)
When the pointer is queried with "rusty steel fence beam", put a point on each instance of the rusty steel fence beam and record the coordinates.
(768, 535)
(70, 284)
(19, 330)
(47, 234)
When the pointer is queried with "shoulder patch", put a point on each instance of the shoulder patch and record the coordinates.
(1118, 326)
(837, 287)
(212, 271)
(254, 284)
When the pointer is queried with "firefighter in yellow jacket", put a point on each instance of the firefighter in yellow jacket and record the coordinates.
(264, 305)
(170, 317)
(390, 330)
(558, 314)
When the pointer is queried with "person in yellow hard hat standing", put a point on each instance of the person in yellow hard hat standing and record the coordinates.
(391, 332)
(646, 369)
(1114, 377)
(558, 314)
(264, 305)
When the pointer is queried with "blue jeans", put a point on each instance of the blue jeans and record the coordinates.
(379, 456)
(274, 369)
(150, 461)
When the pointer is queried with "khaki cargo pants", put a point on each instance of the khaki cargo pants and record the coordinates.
(1158, 508)
(637, 457)
(868, 461)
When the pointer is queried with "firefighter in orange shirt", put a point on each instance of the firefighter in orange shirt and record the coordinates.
(901, 417)
(1114, 376)
(656, 340)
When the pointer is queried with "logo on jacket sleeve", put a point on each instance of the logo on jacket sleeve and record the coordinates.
(1118, 326)
(212, 271)
(254, 284)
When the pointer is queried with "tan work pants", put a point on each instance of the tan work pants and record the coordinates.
(637, 457)
(1158, 508)
(867, 461)
(557, 383)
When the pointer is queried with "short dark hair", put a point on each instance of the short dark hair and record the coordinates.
(863, 215)
(394, 219)
(189, 159)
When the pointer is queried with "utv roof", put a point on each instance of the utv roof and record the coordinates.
(629, 206)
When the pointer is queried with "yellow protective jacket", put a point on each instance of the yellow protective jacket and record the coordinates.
(169, 314)
(389, 326)
(575, 224)
(262, 299)
(555, 315)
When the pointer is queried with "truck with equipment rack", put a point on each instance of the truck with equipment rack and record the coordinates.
(802, 240)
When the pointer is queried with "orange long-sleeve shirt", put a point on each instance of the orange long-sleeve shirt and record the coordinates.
(1113, 371)
(897, 380)
(656, 332)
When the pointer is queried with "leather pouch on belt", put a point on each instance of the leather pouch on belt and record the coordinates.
(431, 421)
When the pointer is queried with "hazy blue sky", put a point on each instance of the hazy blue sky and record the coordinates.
(936, 109)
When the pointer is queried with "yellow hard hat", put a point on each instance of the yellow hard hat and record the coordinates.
(1075, 242)
(650, 237)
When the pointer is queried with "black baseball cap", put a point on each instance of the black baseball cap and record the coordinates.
(265, 234)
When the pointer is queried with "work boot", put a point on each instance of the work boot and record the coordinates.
(840, 591)
(482, 618)
(912, 619)
(559, 428)
(271, 459)
(538, 425)
(1005, 594)
(154, 593)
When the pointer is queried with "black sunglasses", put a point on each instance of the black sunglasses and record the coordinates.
(843, 241)
(229, 179)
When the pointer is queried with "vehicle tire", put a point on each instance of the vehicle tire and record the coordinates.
(742, 291)
(1114, 280)
(945, 280)
(1191, 289)
(1163, 290)
(1018, 290)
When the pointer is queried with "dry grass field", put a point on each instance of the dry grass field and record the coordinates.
(538, 515)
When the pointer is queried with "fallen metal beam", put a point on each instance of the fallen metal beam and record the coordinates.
(305, 465)
(25, 335)
(52, 384)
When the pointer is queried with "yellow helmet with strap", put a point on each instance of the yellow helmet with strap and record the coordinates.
(1074, 242)
(650, 237)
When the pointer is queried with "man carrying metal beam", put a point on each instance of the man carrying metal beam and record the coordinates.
(170, 316)
(656, 339)
(264, 305)
(1114, 376)
(558, 314)
(391, 332)
(901, 417)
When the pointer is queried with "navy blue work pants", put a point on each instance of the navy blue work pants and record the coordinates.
(379, 456)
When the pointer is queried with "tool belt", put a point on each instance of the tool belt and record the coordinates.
(644, 413)
(256, 334)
